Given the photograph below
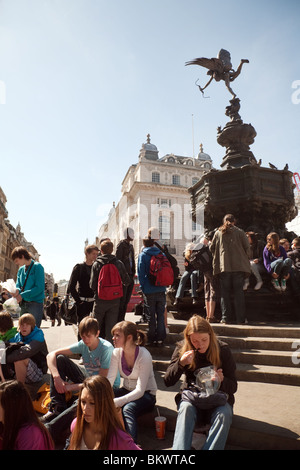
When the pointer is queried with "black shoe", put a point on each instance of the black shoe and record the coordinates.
(194, 300)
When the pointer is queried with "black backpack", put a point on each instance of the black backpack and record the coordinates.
(201, 258)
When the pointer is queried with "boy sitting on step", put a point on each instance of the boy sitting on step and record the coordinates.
(27, 355)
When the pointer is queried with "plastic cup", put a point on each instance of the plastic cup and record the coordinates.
(160, 427)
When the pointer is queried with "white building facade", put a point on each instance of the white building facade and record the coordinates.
(155, 194)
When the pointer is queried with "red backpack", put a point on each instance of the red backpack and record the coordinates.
(161, 272)
(109, 282)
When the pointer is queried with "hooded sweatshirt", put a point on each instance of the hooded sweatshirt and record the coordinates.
(34, 347)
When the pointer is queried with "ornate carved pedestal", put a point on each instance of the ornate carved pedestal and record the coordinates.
(261, 199)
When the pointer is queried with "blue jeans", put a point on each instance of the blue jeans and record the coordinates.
(155, 304)
(232, 282)
(132, 410)
(35, 308)
(220, 420)
(193, 275)
(281, 267)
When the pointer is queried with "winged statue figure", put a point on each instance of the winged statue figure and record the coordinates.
(219, 68)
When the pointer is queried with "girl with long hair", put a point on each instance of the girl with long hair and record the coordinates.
(134, 363)
(97, 425)
(20, 428)
(276, 262)
(201, 348)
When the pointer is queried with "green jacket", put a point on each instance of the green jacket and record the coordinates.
(230, 251)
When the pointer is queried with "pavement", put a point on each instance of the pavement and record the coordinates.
(266, 416)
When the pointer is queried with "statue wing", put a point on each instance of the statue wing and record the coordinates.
(213, 64)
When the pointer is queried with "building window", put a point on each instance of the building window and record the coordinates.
(164, 203)
(155, 177)
(194, 181)
(176, 180)
(164, 226)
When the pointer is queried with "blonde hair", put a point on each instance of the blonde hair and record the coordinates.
(188, 250)
(197, 324)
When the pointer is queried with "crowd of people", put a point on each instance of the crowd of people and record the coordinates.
(114, 383)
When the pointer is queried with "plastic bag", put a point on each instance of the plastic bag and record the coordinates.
(11, 306)
(2, 353)
(9, 285)
(207, 380)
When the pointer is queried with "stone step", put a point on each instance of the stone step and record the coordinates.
(255, 331)
(268, 374)
(283, 375)
(273, 344)
(266, 357)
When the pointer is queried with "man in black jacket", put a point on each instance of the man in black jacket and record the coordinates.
(125, 253)
(79, 284)
(106, 311)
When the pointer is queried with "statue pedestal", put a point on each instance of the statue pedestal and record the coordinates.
(261, 199)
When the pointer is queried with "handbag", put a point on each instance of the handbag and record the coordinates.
(203, 401)
(68, 312)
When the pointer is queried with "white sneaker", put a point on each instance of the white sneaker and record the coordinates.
(258, 285)
(276, 284)
(283, 285)
(246, 284)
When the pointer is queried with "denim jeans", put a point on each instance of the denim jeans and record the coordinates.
(193, 275)
(155, 304)
(220, 420)
(232, 283)
(132, 410)
(35, 308)
(281, 267)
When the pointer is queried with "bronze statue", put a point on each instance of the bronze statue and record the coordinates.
(220, 68)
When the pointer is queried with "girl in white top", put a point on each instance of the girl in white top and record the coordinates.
(134, 363)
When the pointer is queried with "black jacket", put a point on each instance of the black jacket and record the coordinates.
(125, 253)
(228, 385)
(79, 284)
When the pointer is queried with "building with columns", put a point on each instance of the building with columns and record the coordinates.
(155, 193)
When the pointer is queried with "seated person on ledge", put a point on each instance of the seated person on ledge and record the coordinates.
(28, 357)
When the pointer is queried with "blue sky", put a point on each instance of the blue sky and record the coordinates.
(86, 80)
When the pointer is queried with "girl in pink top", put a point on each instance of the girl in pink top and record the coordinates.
(98, 425)
(20, 428)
